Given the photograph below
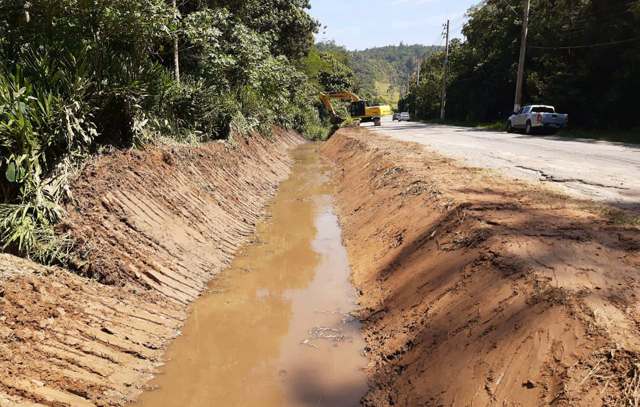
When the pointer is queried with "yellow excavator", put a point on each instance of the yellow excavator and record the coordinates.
(358, 108)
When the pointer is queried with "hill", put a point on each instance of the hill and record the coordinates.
(381, 72)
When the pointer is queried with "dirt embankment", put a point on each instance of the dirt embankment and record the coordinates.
(478, 290)
(152, 227)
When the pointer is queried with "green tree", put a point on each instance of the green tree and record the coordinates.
(336, 76)
(286, 24)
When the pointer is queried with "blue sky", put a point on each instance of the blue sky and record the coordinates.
(359, 24)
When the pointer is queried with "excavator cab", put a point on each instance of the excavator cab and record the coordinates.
(358, 108)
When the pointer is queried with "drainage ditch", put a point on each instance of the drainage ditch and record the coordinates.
(275, 329)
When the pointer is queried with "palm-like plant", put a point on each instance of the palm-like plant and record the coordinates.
(43, 122)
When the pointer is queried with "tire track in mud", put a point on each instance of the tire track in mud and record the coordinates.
(153, 227)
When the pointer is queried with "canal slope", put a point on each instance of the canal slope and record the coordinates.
(151, 227)
(479, 290)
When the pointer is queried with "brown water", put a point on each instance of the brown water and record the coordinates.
(274, 329)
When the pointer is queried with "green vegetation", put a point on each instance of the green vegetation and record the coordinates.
(330, 71)
(620, 217)
(77, 77)
(591, 68)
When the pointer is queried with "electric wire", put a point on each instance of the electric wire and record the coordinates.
(511, 7)
(596, 45)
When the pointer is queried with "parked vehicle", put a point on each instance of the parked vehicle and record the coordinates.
(402, 117)
(535, 118)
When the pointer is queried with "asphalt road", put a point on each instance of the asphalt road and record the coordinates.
(602, 171)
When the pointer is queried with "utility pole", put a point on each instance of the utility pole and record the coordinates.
(176, 42)
(444, 78)
(526, 4)
(415, 100)
(27, 16)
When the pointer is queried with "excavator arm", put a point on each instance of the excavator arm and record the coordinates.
(326, 98)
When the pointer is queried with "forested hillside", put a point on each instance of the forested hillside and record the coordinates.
(77, 78)
(582, 56)
(382, 71)
(379, 73)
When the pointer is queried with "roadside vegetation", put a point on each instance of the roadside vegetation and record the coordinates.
(330, 70)
(78, 78)
(583, 57)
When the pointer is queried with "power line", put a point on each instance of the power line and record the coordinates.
(601, 44)
(587, 22)
(512, 8)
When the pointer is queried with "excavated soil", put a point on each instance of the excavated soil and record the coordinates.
(473, 289)
(478, 290)
(152, 228)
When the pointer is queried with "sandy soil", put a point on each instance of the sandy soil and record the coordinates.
(478, 290)
(152, 228)
(69, 341)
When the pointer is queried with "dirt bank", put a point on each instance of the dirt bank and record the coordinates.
(152, 227)
(478, 290)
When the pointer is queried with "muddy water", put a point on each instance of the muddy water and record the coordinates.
(274, 330)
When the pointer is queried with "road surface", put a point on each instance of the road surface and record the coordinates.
(602, 171)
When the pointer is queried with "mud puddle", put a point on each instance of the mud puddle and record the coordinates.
(275, 329)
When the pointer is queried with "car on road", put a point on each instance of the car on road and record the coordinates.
(401, 117)
(534, 118)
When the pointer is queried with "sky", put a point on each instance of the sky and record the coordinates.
(360, 24)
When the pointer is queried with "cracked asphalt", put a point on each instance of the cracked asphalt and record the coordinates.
(588, 169)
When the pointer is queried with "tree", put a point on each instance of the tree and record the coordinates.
(336, 76)
(284, 23)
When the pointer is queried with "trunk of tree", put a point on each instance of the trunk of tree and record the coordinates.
(27, 16)
(176, 44)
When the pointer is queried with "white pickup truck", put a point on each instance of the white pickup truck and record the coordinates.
(537, 118)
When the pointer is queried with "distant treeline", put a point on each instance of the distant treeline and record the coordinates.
(583, 57)
(376, 74)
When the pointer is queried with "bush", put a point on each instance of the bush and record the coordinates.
(44, 125)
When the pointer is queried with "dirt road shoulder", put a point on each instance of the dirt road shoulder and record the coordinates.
(477, 289)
